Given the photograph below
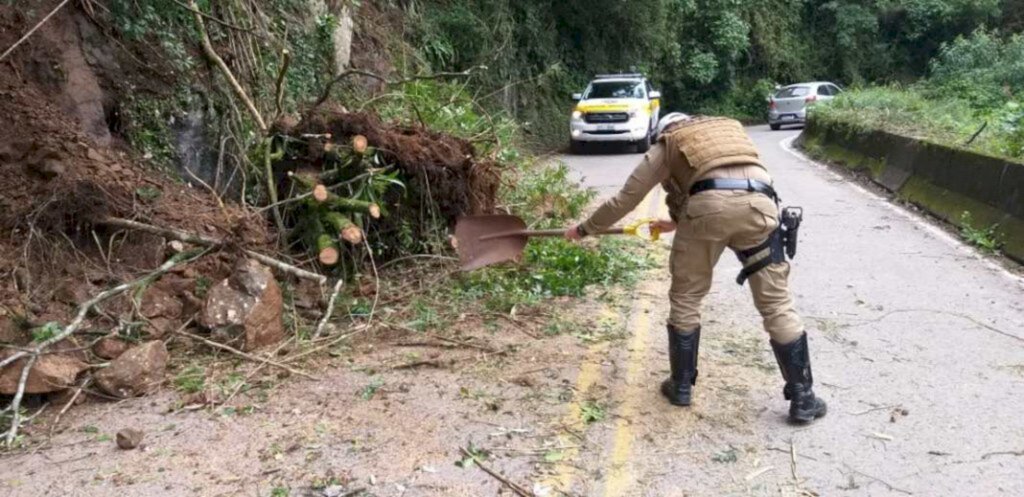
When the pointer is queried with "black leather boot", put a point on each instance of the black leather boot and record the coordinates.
(795, 362)
(682, 356)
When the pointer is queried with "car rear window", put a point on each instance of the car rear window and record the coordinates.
(616, 89)
(793, 91)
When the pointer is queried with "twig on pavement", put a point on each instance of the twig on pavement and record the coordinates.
(246, 355)
(330, 308)
(522, 492)
(71, 402)
(12, 432)
(879, 480)
(1003, 453)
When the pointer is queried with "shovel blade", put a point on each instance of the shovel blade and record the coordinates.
(475, 253)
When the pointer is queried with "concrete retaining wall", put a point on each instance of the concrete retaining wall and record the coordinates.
(942, 180)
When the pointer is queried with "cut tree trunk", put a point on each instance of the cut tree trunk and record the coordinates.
(328, 250)
(345, 227)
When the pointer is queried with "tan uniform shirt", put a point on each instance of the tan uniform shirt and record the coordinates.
(662, 165)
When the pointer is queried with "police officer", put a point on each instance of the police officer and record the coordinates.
(720, 196)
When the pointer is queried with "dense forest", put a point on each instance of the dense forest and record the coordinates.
(707, 56)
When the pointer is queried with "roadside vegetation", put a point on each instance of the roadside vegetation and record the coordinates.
(971, 99)
(721, 57)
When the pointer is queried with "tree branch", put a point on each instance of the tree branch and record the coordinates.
(359, 72)
(33, 30)
(286, 60)
(183, 236)
(211, 54)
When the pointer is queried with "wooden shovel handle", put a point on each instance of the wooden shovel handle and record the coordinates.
(549, 233)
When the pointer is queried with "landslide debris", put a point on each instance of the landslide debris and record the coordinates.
(346, 178)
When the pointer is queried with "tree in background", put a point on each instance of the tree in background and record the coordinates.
(706, 55)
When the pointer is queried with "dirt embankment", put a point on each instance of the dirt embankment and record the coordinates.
(66, 170)
(63, 168)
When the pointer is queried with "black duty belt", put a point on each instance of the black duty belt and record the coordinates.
(750, 185)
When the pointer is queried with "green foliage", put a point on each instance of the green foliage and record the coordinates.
(915, 111)
(544, 195)
(983, 69)
(191, 379)
(147, 123)
(729, 455)
(46, 331)
(475, 454)
(370, 390)
(160, 22)
(553, 268)
(987, 239)
(592, 412)
(706, 55)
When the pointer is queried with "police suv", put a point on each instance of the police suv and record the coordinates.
(620, 108)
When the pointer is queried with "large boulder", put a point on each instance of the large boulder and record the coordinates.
(138, 371)
(50, 373)
(247, 305)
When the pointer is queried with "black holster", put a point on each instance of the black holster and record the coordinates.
(780, 244)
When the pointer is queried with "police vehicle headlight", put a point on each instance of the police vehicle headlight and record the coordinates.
(576, 115)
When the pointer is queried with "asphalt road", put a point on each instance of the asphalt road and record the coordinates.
(917, 344)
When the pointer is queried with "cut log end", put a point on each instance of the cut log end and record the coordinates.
(329, 256)
(320, 193)
(352, 235)
(359, 144)
(374, 211)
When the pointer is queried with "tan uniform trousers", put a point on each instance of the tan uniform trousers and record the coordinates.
(713, 221)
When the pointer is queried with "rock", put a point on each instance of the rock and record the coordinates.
(177, 285)
(51, 373)
(158, 303)
(96, 155)
(138, 371)
(11, 333)
(110, 347)
(334, 491)
(50, 168)
(73, 293)
(128, 439)
(157, 328)
(248, 303)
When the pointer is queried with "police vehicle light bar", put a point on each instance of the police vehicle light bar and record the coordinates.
(621, 75)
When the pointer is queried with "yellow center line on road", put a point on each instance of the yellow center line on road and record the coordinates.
(589, 374)
(619, 471)
(619, 474)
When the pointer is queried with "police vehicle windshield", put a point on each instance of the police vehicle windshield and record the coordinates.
(615, 89)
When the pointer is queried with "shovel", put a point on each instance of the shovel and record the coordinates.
(485, 240)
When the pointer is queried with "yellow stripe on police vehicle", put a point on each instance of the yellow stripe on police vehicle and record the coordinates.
(615, 109)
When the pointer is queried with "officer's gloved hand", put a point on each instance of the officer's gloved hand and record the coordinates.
(574, 233)
(664, 225)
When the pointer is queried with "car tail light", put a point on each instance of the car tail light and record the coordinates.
(811, 99)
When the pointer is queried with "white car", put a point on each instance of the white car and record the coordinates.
(788, 105)
(617, 108)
